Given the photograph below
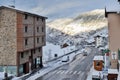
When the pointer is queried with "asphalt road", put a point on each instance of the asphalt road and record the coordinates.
(76, 70)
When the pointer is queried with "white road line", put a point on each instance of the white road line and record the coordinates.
(70, 72)
(62, 72)
(79, 72)
(66, 72)
(55, 72)
(74, 72)
(59, 72)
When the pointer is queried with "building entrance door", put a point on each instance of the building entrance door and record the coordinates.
(26, 68)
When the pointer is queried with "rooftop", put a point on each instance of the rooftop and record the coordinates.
(112, 71)
(113, 6)
(98, 58)
(4, 7)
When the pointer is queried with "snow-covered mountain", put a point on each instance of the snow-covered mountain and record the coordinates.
(74, 30)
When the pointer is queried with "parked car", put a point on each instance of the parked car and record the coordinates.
(65, 59)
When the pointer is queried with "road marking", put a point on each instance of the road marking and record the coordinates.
(66, 72)
(75, 72)
(70, 72)
(55, 72)
(79, 72)
(58, 72)
(62, 72)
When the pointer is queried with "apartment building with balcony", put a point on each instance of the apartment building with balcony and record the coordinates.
(22, 36)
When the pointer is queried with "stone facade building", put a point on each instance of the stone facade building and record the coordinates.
(22, 35)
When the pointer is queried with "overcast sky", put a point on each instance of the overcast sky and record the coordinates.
(57, 8)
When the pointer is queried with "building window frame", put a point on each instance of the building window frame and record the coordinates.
(22, 54)
(37, 29)
(39, 49)
(38, 40)
(37, 18)
(26, 29)
(26, 41)
(98, 63)
(42, 19)
(42, 39)
(42, 29)
(26, 16)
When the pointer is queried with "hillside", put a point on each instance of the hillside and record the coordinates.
(73, 30)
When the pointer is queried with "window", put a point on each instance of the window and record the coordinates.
(39, 49)
(22, 55)
(42, 19)
(114, 55)
(42, 29)
(37, 29)
(97, 63)
(26, 16)
(118, 54)
(26, 28)
(26, 41)
(37, 18)
(34, 51)
(42, 39)
(37, 40)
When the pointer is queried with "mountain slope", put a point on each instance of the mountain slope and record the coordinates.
(72, 30)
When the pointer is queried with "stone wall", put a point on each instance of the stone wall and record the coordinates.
(25, 58)
(8, 40)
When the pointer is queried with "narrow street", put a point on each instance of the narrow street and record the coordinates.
(76, 70)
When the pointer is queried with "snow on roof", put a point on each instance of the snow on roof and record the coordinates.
(112, 71)
(96, 74)
(90, 40)
(98, 58)
(112, 6)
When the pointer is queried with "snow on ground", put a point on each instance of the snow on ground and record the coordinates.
(50, 50)
(52, 65)
(89, 77)
(2, 75)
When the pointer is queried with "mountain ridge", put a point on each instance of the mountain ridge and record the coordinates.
(68, 28)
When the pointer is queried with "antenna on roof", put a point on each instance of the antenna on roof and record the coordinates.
(13, 4)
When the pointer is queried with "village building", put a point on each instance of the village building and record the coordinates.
(22, 36)
(97, 68)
